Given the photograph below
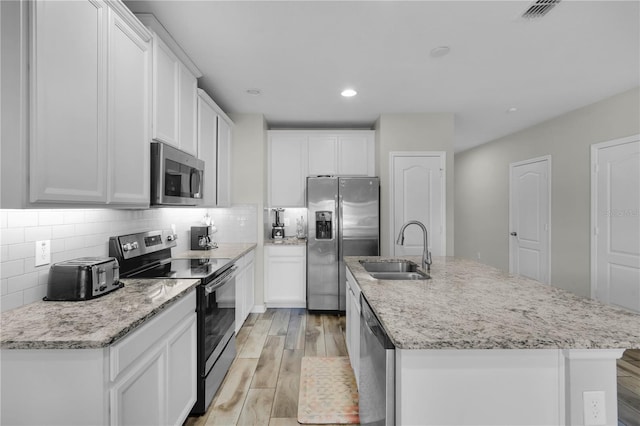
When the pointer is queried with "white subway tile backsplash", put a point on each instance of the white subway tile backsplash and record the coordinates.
(11, 300)
(23, 282)
(73, 243)
(20, 251)
(11, 236)
(50, 217)
(37, 233)
(57, 246)
(63, 231)
(73, 216)
(18, 218)
(11, 268)
(34, 294)
(85, 232)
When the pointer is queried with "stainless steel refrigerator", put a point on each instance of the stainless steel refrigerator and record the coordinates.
(343, 219)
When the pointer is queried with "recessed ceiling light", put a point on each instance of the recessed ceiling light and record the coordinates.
(512, 109)
(254, 92)
(440, 51)
(347, 93)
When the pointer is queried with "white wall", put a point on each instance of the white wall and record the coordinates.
(413, 132)
(482, 186)
(85, 232)
(248, 171)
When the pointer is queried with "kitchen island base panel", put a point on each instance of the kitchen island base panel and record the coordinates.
(502, 387)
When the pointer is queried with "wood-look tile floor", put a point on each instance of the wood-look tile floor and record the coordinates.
(261, 387)
(629, 388)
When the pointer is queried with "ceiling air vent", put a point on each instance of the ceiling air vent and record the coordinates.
(539, 8)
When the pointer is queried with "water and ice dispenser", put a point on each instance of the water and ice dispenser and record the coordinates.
(324, 224)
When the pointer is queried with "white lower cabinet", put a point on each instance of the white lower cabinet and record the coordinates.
(285, 276)
(146, 378)
(353, 324)
(245, 281)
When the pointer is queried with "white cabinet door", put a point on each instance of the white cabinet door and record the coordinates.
(249, 298)
(139, 398)
(224, 163)
(285, 280)
(207, 147)
(287, 170)
(353, 324)
(244, 288)
(323, 155)
(68, 147)
(166, 72)
(187, 111)
(356, 156)
(128, 118)
(182, 371)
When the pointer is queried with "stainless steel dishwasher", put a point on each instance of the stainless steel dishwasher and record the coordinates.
(377, 370)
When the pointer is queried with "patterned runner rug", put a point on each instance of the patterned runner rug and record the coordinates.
(328, 391)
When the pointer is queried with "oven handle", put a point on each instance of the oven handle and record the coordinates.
(220, 281)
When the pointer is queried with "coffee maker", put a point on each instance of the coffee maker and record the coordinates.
(202, 238)
(277, 230)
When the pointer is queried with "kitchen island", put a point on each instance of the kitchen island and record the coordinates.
(475, 345)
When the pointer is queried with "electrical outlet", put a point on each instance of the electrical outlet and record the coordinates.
(43, 252)
(286, 221)
(594, 408)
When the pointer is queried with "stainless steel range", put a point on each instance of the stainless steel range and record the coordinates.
(148, 255)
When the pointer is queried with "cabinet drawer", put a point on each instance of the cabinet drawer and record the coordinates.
(284, 251)
(125, 352)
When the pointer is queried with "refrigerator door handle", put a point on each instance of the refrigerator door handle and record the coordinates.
(338, 213)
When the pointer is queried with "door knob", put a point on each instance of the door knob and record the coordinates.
(514, 234)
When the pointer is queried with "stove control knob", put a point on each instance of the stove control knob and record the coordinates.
(134, 245)
(126, 247)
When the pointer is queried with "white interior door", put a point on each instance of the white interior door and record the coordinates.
(615, 185)
(418, 193)
(529, 218)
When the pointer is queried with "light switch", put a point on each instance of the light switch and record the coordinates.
(43, 252)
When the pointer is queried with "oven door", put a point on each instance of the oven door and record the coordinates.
(176, 177)
(218, 316)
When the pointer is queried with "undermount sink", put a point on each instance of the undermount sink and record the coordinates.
(417, 275)
(394, 270)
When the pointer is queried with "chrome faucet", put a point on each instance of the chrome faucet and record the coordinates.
(426, 254)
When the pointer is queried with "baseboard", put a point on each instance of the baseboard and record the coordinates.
(259, 309)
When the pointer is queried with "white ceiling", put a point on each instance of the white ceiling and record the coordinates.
(301, 54)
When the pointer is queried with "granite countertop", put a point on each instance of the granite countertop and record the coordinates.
(287, 241)
(468, 305)
(233, 251)
(90, 324)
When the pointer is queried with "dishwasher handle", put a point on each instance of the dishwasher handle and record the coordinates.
(372, 324)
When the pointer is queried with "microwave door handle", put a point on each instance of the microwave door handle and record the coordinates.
(194, 188)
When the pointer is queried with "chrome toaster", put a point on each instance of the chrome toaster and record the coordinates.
(83, 278)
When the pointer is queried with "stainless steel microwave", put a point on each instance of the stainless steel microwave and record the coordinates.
(176, 177)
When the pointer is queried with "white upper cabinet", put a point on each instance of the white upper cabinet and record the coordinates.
(68, 101)
(175, 93)
(287, 169)
(129, 118)
(207, 147)
(166, 72)
(296, 154)
(89, 77)
(224, 162)
(323, 155)
(187, 111)
(356, 154)
(214, 148)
